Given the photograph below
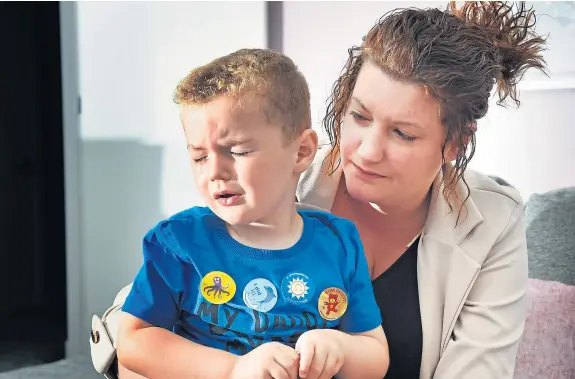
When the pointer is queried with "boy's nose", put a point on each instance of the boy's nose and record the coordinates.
(219, 170)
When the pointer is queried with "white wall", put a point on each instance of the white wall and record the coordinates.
(531, 147)
(132, 165)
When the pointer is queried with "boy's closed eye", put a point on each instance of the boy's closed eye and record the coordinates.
(202, 158)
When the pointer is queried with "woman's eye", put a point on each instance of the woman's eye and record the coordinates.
(404, 136)
(358, 116)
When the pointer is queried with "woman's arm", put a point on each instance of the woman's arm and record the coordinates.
(486, 335)
(157, 353)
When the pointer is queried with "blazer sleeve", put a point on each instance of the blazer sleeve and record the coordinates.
(486, 336)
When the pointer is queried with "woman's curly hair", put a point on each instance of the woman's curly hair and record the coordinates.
(458, 55)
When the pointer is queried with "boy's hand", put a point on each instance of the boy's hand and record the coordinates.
(271, 360)
(321, 353)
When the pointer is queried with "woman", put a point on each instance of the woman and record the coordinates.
(446, 247)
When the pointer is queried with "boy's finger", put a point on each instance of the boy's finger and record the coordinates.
(317, 364)
(277, 371)
(331, 367)
(306, 353)
(289, 351)
(288, 360)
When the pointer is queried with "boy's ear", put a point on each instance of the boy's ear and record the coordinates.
(307, 147)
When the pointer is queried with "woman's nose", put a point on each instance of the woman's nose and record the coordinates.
(373, 146)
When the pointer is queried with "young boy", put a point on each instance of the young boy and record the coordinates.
(250, 287)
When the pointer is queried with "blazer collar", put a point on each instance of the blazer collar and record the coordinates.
(442, 222)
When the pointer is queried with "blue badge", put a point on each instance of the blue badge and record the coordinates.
(297, 288)
(260, 294)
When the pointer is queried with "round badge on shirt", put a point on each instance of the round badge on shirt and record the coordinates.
(260, 294)
(332, 303)
(217, 287)
(297, 288)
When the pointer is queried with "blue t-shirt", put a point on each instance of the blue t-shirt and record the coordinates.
(202, 284)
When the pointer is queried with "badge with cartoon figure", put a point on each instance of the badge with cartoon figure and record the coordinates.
(332, 303)
(260, 294)
(218, 287)
(297, 288)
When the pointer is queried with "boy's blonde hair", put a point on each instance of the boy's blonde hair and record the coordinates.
(271, 76)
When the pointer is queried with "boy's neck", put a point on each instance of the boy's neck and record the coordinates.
(280, 230)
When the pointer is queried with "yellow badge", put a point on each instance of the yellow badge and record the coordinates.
(218, 287)
(332, 303)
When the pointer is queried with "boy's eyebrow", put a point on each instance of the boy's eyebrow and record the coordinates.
(225, 142)
(190, 146)
(233, 141)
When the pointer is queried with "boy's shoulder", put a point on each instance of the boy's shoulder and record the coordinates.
(191, 222)
(339, 225)
(336, 236)
(193, 214)
(320, 214)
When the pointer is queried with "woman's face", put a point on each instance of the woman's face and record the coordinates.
(391, 141)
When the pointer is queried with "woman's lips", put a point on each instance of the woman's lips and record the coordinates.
(366, 173)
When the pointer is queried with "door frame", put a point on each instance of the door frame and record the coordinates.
(72, 174)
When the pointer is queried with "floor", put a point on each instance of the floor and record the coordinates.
(77, 367)
(11, 360)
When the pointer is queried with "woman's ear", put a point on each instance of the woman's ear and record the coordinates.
(451, 151)
(307, 148)
(452, 147)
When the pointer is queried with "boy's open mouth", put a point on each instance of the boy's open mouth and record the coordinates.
(224, 195)
(228, 198)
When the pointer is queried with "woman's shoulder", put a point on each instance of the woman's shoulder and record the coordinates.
(491, 191)
(495, 217)
(491, 212)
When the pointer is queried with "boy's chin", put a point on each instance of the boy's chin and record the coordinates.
(234, 215)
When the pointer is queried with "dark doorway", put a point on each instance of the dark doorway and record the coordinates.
(32, 225)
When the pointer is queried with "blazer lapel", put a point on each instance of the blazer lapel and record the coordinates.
(445, 272)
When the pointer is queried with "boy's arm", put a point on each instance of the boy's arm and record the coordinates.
(146, 344)
(157, 353)
(366, 355)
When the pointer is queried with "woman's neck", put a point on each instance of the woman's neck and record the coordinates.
(407, 217)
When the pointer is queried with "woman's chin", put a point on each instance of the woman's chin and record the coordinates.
(365, 193)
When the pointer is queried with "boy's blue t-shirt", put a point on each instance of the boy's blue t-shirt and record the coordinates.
(202, 284)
